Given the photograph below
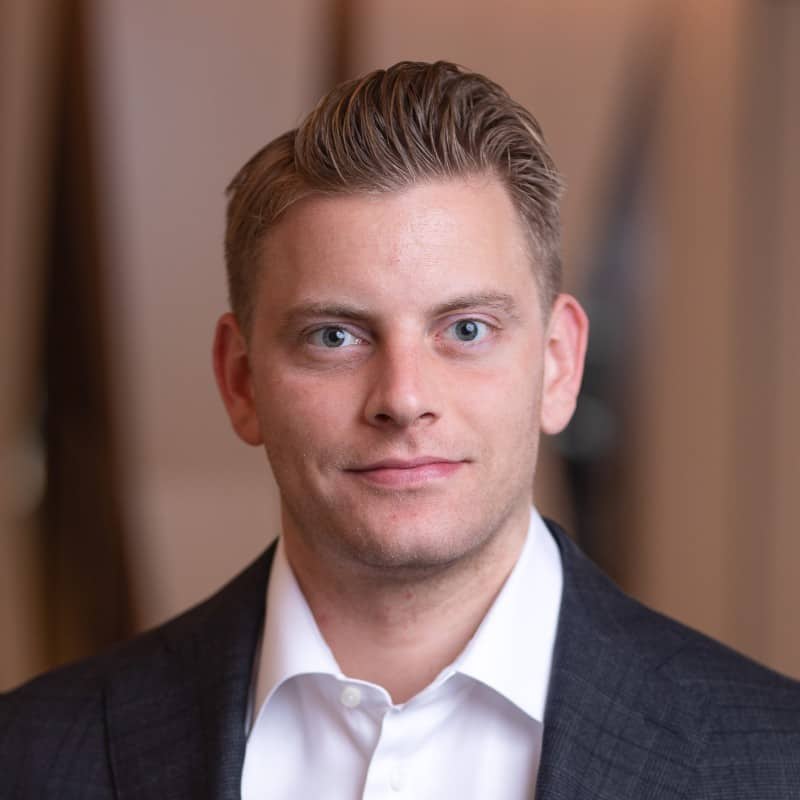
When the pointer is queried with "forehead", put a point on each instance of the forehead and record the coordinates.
(455, 235)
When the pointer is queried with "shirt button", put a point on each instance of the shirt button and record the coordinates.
(396, 780)
(350, 696)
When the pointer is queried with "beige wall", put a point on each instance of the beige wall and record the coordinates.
(783, 600)
(715, 443)
(685, 486)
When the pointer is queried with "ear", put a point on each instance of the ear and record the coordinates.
(234, 379)
(564, 352)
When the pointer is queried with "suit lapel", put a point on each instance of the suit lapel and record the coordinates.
(614, 727)
(176, 716)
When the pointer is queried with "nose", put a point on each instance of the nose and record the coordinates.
(403, 388)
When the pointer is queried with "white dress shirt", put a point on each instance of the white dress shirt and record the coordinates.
(474, 732)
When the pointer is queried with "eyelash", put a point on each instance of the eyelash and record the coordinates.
(485, 329)
(318, 332)
(484, 326)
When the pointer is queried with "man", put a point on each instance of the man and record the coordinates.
(397, 343)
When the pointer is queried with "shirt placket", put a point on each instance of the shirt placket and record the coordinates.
(389, 772)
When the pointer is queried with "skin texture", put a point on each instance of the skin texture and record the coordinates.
(398, 373)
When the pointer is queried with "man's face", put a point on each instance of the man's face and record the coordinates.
(396, 372)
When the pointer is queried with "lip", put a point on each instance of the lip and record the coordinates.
(401, 473)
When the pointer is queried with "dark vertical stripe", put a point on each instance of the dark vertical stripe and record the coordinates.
(342, 36)
(85, 585)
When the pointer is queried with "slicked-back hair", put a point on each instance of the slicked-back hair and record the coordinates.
(386, 131)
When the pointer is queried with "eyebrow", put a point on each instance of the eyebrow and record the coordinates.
(500, 301)
(314, 310)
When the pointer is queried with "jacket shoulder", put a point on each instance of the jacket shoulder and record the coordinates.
(746, 728)
(753, 720)
(683, 654)
(53, 731)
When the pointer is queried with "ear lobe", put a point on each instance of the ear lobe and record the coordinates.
(564, 352)
(234, 379)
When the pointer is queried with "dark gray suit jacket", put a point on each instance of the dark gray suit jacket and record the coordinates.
(639, 708)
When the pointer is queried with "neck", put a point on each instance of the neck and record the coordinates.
(400, 632)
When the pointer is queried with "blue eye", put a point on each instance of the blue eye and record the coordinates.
(469, 330)
(333, 336)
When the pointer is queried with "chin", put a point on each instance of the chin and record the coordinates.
(412, 543)
(402, 533)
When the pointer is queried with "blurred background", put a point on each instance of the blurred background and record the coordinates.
(125, 498)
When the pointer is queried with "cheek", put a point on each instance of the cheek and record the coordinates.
(299, 416)
(517, 420)
(521, 406)
(517, 386)
(504, 407)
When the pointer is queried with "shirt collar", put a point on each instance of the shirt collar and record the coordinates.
(292, 643)
(521, 624)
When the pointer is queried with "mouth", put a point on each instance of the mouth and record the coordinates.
(398, 473)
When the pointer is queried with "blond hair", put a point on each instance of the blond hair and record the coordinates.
(385, 132)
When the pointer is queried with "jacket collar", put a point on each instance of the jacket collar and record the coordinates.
(615, 726)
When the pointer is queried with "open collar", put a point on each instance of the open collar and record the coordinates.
(521, 624)
(292, 643)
